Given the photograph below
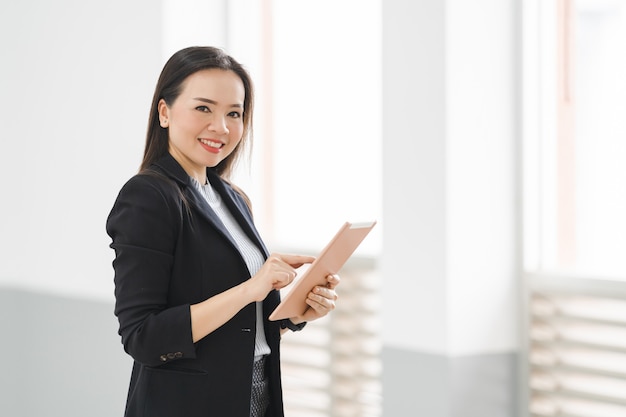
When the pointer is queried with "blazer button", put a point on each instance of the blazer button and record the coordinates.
(163, 358)
(178, 355)
(170, 356)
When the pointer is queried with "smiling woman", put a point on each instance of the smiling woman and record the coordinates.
(194, 282)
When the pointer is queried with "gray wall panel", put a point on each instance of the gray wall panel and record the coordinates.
(420, 384)
(63, 357)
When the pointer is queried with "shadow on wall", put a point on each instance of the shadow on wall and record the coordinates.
(62, 357)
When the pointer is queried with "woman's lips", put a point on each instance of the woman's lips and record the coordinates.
(211, 145)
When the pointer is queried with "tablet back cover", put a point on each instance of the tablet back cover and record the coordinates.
(330, 261)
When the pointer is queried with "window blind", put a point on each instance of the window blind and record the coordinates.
(333, 367)
(577, 350)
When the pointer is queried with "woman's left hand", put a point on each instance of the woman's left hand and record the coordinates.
(321, 300)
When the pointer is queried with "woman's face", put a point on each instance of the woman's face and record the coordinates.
(205, 122)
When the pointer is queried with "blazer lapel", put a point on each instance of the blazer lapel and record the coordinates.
(173, 170)
(238, 209)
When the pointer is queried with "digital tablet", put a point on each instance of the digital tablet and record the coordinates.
(330, 261)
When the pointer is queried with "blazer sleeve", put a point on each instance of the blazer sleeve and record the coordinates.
(143, 225)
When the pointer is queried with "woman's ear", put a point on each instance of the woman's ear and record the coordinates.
(164, 114)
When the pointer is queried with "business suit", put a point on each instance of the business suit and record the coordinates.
(171, 251)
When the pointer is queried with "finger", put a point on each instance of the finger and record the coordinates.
(326, 292)
(284, 278)
(320, 304)
(332, 280)
(296, 261)
(275, 264)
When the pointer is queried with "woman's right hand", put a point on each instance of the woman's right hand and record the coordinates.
(278, 271)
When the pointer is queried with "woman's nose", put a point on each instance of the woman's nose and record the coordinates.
(218, 125)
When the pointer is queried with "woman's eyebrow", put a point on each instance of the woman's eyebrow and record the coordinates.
(208, 100)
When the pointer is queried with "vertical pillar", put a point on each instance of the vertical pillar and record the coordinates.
(449, 240)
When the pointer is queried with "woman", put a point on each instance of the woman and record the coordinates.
(194, 283)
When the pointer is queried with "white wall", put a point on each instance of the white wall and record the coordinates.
(75, 81)
(193, 23)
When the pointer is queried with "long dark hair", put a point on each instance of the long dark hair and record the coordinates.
(169, 86)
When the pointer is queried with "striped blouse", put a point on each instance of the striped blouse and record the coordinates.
(249, 251)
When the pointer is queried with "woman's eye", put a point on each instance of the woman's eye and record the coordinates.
(235, 114)
(203, 108)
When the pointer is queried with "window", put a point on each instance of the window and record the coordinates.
(573, 223)
(574, 139)
(599, 126)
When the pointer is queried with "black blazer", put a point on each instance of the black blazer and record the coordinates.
(171, 250)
